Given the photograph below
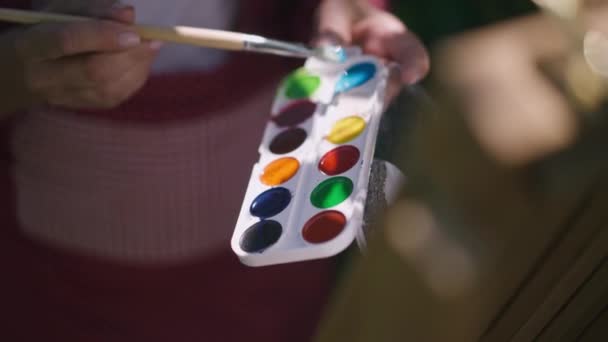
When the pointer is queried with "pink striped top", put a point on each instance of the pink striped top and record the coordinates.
(114, 225)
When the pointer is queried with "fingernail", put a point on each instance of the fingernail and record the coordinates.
(128, 39)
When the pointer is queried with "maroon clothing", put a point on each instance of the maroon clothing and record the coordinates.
(51, 294)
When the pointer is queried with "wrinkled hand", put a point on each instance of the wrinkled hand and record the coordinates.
(95, 64)
(377, 32)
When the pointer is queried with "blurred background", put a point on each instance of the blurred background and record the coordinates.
(437, 19)
(500, 233)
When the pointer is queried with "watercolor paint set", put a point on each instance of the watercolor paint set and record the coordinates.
(306, 195)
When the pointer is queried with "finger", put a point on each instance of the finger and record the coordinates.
(52, 41)
(334, 24)
(385, 36)
(66, 97)
(372, 32)
(134, 78)
(406, 50)
(328, 38)
(103, 97)
(82, 90)
(111, 94)
(410, 53)
(394, 84)
(90, 71)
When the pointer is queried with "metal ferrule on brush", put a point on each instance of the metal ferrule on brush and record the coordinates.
(277, 47)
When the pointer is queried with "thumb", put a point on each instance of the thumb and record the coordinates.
(334, 24)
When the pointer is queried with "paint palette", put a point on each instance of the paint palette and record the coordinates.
(306, 194)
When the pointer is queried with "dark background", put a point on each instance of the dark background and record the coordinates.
(436, 19)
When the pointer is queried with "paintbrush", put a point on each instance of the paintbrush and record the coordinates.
(216, 39)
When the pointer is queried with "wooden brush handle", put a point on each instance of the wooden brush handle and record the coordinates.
(217, 39)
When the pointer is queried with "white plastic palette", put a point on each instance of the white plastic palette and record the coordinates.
(306, 195)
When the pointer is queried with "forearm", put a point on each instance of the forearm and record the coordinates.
(13, 93)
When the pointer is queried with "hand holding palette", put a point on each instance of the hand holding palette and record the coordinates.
(307, 192)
